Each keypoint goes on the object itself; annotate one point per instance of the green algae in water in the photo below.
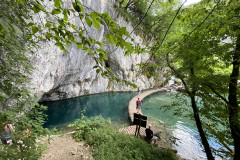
(109, 105)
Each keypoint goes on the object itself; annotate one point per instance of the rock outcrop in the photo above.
(59, 76)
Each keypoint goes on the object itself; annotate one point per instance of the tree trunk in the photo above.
(233, 108)
(200, 129)
(195, 109)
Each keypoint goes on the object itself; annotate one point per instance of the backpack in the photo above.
(138, 103)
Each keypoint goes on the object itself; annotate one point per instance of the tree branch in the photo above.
(167, 29)
(214, 91)
(177, 74)
(136, 25)
(181, 44)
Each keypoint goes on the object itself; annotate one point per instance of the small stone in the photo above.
(73, 153)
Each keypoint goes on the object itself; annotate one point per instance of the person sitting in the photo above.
(149, 134)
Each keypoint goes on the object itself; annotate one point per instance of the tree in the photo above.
(187, 74)
(184, 61)
(20, 32)
(154, 16)
(204, 54)
(232, 50)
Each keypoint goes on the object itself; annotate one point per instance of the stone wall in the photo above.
(59, 76)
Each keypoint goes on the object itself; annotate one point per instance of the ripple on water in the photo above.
(187, 145)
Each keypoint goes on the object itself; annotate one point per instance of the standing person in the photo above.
(139, 90)
(138, 105)
(149, 134)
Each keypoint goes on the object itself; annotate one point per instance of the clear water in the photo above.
(115, 106)
(183, 128)
(109, 105)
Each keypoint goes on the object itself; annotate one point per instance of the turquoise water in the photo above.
(115, 106)
(182, 127)
(109, 105)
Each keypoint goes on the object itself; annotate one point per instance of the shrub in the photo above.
(27, 129)
(110, 144)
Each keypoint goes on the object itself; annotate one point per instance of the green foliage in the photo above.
(152, 29)
(18, 105)
(137, 8)
(155, 23)
(27, 128)
(20, 31)
(109, 144)
(84, 125)
(12, 60)
(150, 69)
(200, 53)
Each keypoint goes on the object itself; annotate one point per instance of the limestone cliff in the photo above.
(59, 76)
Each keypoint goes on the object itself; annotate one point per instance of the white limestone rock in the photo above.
(59, 76)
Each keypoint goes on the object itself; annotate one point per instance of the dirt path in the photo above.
(64, 147)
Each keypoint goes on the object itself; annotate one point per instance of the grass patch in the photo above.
(110, 144)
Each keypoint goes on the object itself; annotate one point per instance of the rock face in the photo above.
(60, 76)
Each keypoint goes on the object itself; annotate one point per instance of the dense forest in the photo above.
(198, 43)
